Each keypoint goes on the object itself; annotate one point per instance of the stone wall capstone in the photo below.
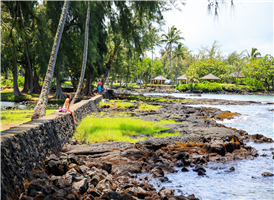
(25, 147)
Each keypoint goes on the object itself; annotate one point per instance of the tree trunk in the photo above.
(27, 79)
(88, 89)
(151, 68)
(84, 62)
(177, 71)
(40, 109)
(108, 65)
(266, 82)
(141, 75)
(58, 93)
(31, 76)
(137, 69)
(108, 78)
(16, 92)
(170, 64)
(37, 87)
(6, 75)
(111, 83)
(146, 81)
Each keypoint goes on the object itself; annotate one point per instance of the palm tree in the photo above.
(84, 61)
(193, 77)
(40, 109)
(238, 65)
(173, 36)
(155, 41)
(179, 54)
(254, 53)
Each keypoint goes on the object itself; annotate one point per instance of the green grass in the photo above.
(7, 95)
(147, 107)
(11, 118)
(108, 129)
(66, 83)
(239, 87)
(117, 104)
(134, 98)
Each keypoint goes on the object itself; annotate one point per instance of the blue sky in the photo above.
(245, 25)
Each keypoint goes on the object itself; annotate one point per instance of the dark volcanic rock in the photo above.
(81, 186)
(267, 174)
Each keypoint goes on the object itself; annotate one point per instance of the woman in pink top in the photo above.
(66, 108)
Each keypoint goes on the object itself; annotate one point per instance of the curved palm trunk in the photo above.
(170, 65)
(84, 62)
(40, 109)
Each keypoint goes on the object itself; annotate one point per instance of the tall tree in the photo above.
(178, 53)
(254, 53)
(84, 60)
(40, 109)
(155, 41)
(173, 36)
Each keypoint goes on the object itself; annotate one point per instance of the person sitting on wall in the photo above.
(66, 107)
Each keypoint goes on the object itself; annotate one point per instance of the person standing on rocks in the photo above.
(66, 108)
(99, 87)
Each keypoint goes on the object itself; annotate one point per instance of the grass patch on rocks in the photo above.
(116, 104)
(147, 107)
(114, 129)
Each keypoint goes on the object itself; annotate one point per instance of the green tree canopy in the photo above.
(204, 67)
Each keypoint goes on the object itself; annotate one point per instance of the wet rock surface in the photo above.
(109, 170)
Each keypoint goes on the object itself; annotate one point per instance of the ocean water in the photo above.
(259, 98)
(246, 182)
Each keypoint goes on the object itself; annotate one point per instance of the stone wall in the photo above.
(25, 147)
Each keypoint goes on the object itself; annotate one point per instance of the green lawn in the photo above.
(110, 129)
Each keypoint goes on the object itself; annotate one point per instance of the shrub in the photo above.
(211, 87)
(183, 87)
(21, 81)
(7, 82)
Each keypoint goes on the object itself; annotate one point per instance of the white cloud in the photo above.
(248, 24)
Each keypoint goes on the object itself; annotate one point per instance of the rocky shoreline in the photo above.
(110, 170)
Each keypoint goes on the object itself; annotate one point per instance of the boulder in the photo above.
(81, 186)
(157, 172)
(198, 168)
(267, 174)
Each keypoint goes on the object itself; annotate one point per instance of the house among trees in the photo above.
(158, 79)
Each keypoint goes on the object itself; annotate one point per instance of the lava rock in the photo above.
(184, 169)
(267, 174)
(81, 186)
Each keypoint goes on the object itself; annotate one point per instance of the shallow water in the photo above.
(6, 103)
(260, 98)
(246, 182)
